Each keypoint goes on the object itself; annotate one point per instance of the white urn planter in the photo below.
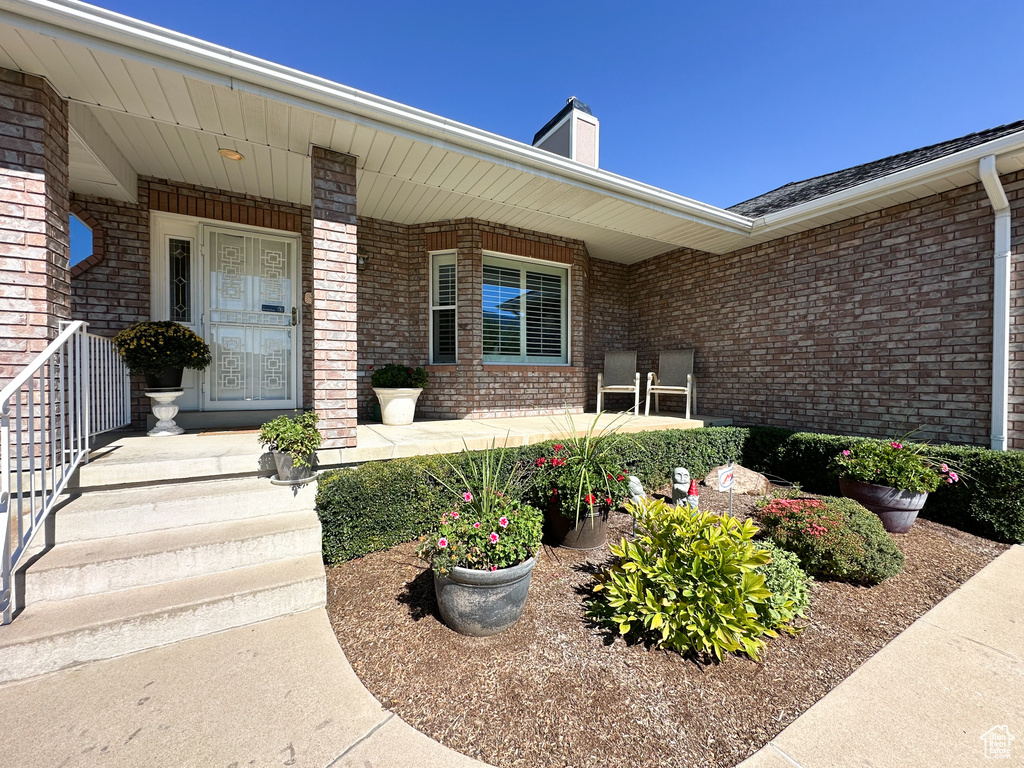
(165, 409)
(397, 406)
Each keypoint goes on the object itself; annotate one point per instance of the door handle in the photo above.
(295, 315)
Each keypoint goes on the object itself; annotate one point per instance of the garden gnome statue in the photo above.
(680, 486)
(636, 490)
(691, 495)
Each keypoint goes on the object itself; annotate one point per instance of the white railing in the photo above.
(76, 388)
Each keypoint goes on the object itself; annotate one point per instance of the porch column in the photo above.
(334, 296)
(34, 228)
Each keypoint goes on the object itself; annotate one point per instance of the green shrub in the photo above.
(788, 584)
(296, 435)
(834, 538)
(988, 500)
(395, 376)
(688, 582)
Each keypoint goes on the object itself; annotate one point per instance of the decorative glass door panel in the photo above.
(251, 320)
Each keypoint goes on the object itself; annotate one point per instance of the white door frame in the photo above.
(163, 227)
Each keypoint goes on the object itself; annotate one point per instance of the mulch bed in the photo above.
(556, 691)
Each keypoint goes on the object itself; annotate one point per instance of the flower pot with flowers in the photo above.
(579, 484)
(398, 387)
(160, 350)
(891, 478)
(483, 552)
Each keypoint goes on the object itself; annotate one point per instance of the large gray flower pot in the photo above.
(483, 603)
(897, 509)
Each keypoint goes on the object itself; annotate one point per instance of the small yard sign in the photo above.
(726, 477)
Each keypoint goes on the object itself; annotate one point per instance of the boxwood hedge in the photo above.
(379, 504)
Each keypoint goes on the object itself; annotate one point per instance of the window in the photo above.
(180, 253)
(442, 308)
(524, 312)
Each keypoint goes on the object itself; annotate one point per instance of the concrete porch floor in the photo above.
(137, 458)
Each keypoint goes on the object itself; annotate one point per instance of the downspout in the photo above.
(1000, 301)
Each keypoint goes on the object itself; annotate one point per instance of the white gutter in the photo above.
(1000, 301)
(125, 36)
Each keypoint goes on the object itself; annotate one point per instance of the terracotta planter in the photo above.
(169, 378)
(590, 532)
(483, 603)
(897, 509)
(397, 406)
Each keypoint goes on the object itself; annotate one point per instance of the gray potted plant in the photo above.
(292, 440)
(398, 387)
(891, 478)
(483, 551)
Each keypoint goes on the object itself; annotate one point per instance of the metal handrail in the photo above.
(75, 389)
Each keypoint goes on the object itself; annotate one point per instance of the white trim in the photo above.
(551, 266)
(431, 256)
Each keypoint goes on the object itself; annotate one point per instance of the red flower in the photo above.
(609, 477)
(556, 448)
(558, 462)
(590, 499)
(608, 500)
(541, 461)
(621, 478)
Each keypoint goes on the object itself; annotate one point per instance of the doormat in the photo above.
(231, 431)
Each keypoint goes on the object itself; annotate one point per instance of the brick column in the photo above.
(334, 296)
(34, 283)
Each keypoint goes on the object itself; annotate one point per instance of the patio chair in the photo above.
(620, 375)
(674, 377)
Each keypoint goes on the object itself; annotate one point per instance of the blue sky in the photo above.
(717, 101)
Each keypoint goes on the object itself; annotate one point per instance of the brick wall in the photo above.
(111, 288)
(859, 327)
(334, 296)
(611, 327)
(394, 310)
(33, 218)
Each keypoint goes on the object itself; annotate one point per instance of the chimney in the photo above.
(572, 133)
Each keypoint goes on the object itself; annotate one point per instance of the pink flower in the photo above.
(455, 515)
(503, 522)
(467, 496)
(945, 468)
(476, 525)
(846, 453)
(954, 476)
(897, 446)
(494, 538)
(494, 567)
(442, 542)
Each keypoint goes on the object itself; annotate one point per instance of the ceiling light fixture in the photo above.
(230, 154)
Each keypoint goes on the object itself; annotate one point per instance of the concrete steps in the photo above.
(140, 558)
(49, 636)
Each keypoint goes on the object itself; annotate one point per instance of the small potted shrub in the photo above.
(293, 441)
(398, 387)
(160, 350)
(579, 484)
(891, 478)
(483, 551)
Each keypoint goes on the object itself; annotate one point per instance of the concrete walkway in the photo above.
(277, 693)
(930, 696)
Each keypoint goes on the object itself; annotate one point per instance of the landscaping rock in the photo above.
(747, 481)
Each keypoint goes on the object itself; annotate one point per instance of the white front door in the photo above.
(251, 319)
(239, 289)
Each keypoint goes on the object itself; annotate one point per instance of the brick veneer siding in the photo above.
(33, 218)
(394, 311)
(334, 296)
(867, 326)
(611, 327)
(111, 288)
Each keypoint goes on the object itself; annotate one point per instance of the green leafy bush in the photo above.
(150, 346)
(394, 376)
(988, 500)
(788, 584)
(296, 435)
(834, 538)
(689, 582)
